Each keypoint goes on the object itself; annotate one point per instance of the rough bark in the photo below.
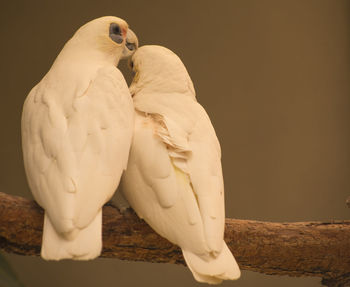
(296, 249)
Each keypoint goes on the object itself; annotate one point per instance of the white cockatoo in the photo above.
(174, 178)
(76, 133)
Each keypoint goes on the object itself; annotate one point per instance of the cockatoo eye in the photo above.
(115, 33)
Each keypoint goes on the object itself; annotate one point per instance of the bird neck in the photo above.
(176, 84)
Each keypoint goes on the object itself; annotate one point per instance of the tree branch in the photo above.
(296, 249)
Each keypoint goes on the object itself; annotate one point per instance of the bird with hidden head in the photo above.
(174, 177)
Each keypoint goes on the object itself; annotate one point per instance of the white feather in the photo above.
(76, 133)
(174, 178)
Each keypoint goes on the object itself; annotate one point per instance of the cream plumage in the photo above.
(76, 134)
(174, 177)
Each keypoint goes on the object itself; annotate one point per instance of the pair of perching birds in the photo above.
(82, 128)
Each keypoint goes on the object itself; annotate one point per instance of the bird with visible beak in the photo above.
(77, 125)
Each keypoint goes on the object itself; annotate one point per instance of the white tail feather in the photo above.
(85, 244)
(213, 270)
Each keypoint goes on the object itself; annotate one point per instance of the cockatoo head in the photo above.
(107, 38)
(158, 68)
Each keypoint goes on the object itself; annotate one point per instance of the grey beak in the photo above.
(131, 44)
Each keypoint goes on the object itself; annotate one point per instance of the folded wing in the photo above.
(74, 153)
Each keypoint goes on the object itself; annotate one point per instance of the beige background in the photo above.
(272, 75)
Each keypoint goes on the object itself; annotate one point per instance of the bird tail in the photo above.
(215, 269)
(81, 244)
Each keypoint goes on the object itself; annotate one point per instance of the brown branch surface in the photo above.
(295, 249)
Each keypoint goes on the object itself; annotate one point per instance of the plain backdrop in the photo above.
(274, 77)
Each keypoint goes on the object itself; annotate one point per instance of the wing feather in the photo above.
(75, 153)
(206, 176)
(154, 161)
(194, 149)
(159, 192)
